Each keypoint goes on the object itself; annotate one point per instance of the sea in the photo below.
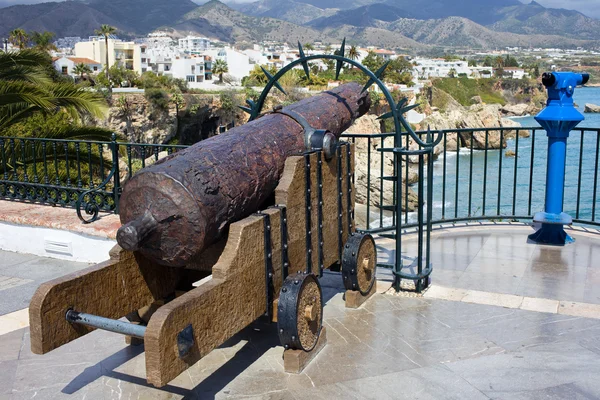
(515, 185)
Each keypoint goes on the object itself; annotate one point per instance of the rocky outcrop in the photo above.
(515, 110)
(133, 119)
(369, 124)
(475, 116)
(591, 108)
(137, 121)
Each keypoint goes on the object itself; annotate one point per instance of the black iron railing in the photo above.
(479, 180)
(474, 181)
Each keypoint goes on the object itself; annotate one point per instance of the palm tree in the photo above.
(106, 31)
(43, 41)
(81, 69)
(353, 54)
(220, 67)
(19, 38)
(308, 46)
(27, 90)
(33, 105)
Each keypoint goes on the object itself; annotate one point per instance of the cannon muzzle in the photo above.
(132, 235)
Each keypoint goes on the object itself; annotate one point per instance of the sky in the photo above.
(588, 7)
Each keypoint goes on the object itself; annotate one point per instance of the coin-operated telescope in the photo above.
(558, 119)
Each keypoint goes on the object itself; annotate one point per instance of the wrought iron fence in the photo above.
(479, 180)
(473, 181)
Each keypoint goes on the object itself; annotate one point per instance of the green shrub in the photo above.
(158, 99)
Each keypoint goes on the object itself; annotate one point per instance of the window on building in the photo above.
(166, 67)
(143, 49)
(65, 70)
(193, 69)
(191, 78)
(95, 68)
(143, 60)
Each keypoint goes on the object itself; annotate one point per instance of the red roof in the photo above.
(78, 60)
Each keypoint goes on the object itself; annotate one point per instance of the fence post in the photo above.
(117, 176)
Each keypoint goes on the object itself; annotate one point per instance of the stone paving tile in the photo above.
(489, 282)
(532, 369)
(493, 299)
(579, 309)
(540, 305)
(14, 321)
(30, 272)
(550, 287)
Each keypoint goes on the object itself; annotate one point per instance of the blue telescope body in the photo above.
(558, 119)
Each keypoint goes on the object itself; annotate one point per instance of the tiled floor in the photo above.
(499, 259)
(27, 272)
(391, 348)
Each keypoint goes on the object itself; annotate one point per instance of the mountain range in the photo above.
(386, 23)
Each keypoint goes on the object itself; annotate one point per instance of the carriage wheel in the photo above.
(300, 312)
(359, 263)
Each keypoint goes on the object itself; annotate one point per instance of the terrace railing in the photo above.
(469, 183)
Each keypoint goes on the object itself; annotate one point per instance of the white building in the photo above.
(426, 68)
(127, 54)
(514, 73)
(194, 70)
(238, 63)
(194, 44)
(66, 65)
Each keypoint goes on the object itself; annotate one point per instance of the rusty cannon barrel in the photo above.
(171, 211)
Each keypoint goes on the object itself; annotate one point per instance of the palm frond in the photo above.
(76, 100)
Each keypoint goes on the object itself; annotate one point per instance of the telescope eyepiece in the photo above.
(585, 78)
(548, 79)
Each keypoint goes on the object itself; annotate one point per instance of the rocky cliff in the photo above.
(137, 120)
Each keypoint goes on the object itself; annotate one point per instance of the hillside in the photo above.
(64, 19)
(461, 32)
(217, 20)
(367, 16)
(385, 23)
(287, 10)
(533, 18)
(144, 15)
(75, 18)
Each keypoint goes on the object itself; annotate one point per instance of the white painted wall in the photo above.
(54, 243)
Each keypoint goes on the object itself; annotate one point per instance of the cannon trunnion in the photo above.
(268, 265)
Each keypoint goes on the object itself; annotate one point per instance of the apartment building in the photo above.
(127, 54)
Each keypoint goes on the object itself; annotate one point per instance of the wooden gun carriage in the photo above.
(267, 265)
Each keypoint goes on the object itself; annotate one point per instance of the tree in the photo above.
(81, 69)
(472, 63)
(26, 89)
(106, 31)
(488, 61)
(399, 70)
(452, 73)
(353, 53)
(18, 38)
(372, 61)
(43, 41)
(510, 61)
(220, 67)
(499, 62)
(32, 104)
(308, 46)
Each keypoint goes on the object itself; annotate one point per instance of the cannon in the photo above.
(238, 227)
(174, 209)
